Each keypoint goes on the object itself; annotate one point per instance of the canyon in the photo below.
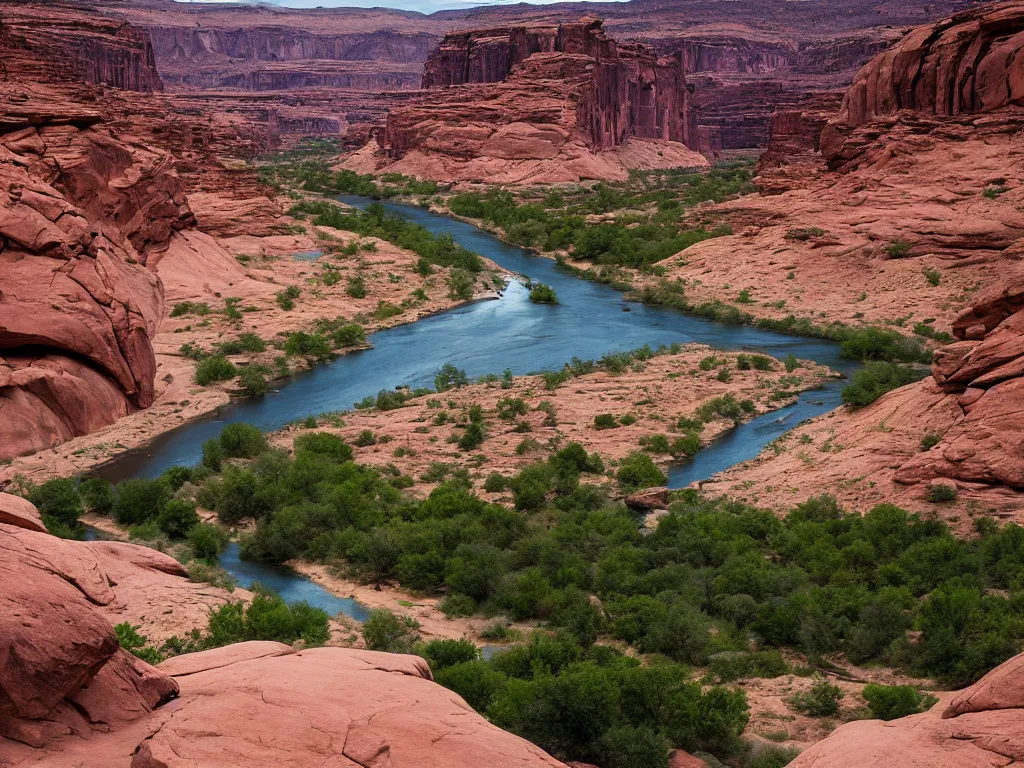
(140, 224)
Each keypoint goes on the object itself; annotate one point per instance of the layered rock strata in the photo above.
(581, 106)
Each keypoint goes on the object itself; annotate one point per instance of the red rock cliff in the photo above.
(80, 214)
(970, 63)
(621, 90)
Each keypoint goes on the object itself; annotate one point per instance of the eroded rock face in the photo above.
(545, 104)
(70, 696)
(966, 64)
(80, 213)
(980, 726)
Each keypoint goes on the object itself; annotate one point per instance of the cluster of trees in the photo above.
(715, 577)
(557, 221)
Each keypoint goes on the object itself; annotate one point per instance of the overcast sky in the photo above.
(423, 6)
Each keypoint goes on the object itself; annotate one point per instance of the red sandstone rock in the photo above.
(70, 696)
(20, 513)
(647, 499)
(679, 758)
(551, 104)
(980, 726)
(961, 65)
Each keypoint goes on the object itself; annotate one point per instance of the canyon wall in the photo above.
(560, 95)
(968, 64)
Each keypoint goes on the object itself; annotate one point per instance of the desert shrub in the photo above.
(726, 667)
(543, 294)
(129, 638)
(882, 344)
(323, 444)
(939, 493)
(267, 617)
(207, 540)
(365, 438)
(178, 518)
(58, 500)
(888, 702)
(605, 421)
(442, 654)
(386, 631)
(874, 380)
(511, 407)
(97, 495)
(638, 471)
(213, 369)
(449, 377)
(460, 285)
(139, 500)
(930, 440)
(311, 345)
(242, 441)
(253, 381)
(349, 335)
(821, 701)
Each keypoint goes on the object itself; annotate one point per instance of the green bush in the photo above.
(930, 440)
(253, 381)
(771, 756)
(58, 500)
(888, 702)
(386, 631)
(821, 701)
(267, 617)
(442, 654)
(543, 294)
(939, 493)
(449, 377)
(97, 495)
(882, 344)
(242, 441)
(129, 638)
(323, 444)
(178, 518)
(874, 380)
(140, 500)
(605, 421)
(213, 369)
(349, 335)
(207, 541)
(727, 667)
(638, 471)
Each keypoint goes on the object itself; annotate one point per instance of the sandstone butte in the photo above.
(532, 104)
(69, 695)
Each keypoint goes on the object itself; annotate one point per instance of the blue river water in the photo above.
(487, 337)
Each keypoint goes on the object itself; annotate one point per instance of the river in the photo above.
(488, 337)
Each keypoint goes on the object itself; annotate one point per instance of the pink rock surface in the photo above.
(69, 695)
(20, 513)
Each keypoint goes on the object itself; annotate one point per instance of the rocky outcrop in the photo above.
(588, 108)
(96, 49)
(70, 696)
(982, 725)
(986, 372)
(81, 212)
(626, 90)
(965, 65)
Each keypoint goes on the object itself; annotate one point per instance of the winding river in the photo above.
(488, 337)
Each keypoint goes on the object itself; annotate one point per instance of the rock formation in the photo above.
(967, 64)
(81, 213)
(69, 695)
(539, 104)
(978, 727)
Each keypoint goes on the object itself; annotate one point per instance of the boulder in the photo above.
(648, 499)
(20, 512)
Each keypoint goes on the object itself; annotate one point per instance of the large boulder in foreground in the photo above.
(979, 727)
(69, 695)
